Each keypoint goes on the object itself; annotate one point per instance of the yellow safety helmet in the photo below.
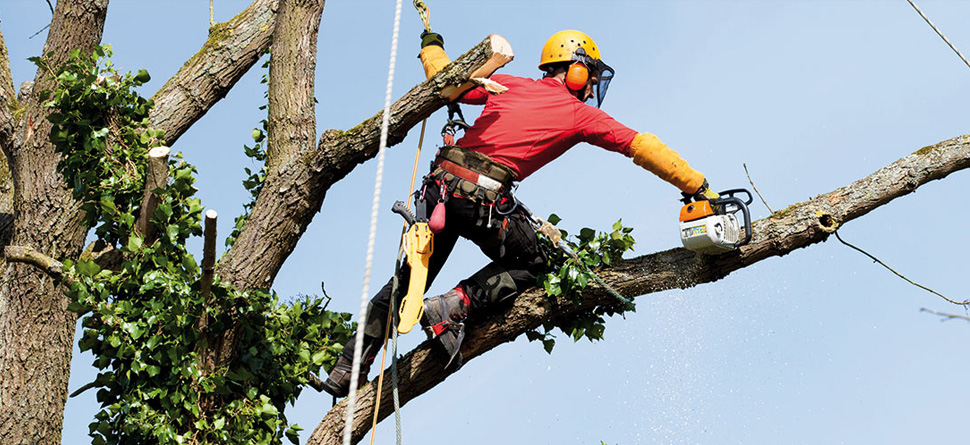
(561, 46)
(578, 48)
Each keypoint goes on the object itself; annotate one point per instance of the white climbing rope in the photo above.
(365, 294)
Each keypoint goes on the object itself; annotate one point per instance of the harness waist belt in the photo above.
(470, 175)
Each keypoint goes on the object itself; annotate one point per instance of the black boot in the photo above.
(444, 319)
(338, 382)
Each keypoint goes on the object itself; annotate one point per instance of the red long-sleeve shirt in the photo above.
(535, 122)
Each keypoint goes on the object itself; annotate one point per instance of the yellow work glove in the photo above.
(432, 54)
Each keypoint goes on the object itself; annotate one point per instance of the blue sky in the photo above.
(820, 346)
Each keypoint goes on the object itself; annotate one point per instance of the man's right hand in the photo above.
(702, 193)
(706, 193)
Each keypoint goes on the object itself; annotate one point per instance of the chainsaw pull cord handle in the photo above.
(743, 207)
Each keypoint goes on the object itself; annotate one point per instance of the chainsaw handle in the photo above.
(733, 192)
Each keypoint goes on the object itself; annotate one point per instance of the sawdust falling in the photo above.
(682, 341)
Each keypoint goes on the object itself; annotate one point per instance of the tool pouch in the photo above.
(464, 184)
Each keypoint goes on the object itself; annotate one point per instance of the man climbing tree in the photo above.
(41, 219)
(468, 192)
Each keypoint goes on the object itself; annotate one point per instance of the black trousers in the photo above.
(509, 241)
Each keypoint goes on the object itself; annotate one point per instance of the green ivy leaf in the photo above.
(87, 268)
(142, 76)
(319, 357)
(548, 344)
(135, 243)
(293, 434)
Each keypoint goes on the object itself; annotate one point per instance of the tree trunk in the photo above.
(799, 226)
(37, 211)
(36, 330)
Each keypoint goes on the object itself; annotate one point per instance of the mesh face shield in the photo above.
(601, 71)
(604, 77)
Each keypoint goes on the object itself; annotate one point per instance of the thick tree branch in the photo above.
(294, 191)
(291, 123)
(232, 49)
(8, 103)
(799, 226)
(27, 255)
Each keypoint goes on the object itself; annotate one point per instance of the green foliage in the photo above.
(568, 276)
(98, 117)
(150, 328)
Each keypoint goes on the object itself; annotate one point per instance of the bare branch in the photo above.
(294, 191)
(945, 317)
(83, 388)
(156, 178)
(756, 189)
(232, 49)
(214, 345)
(799, 226)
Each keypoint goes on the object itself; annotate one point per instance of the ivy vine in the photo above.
(143, 318)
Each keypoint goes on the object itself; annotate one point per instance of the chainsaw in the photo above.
(712, 227)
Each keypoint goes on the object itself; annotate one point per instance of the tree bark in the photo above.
(36, 330)
(801, 225)
(8, 102)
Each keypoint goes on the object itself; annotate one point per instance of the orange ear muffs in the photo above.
(577, 76)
